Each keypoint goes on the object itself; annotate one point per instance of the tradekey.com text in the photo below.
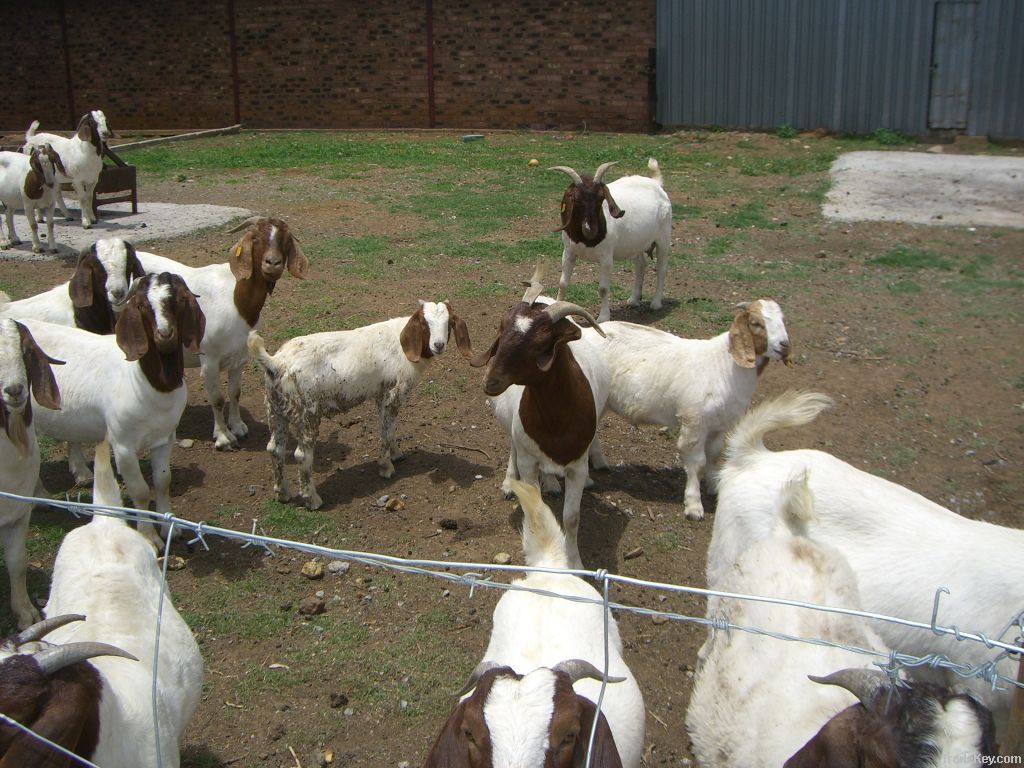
(977, 759)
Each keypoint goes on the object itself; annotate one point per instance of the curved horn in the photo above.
(248, 222)
(559, 309)
(577, 669)
(536, 285)
(481, 669)
(862, 683)
(53, 659)
(41, 628)
(568, 171)
(601, 169)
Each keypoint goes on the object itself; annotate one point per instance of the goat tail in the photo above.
(105, 490)
(655, 169)
(796, 504)
(32, 130)
(790, 409)
(543, 539)
(259, 351)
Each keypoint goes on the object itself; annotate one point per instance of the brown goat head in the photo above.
(582, 213)
(267, 248)
(18, 389)
(419, 343)
(101, 281)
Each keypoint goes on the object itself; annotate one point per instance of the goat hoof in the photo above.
(225, 444)
(694, 514)
(313, 502)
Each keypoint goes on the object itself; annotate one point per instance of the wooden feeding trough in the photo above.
(116, 184)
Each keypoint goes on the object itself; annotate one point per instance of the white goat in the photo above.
(552, 415)
(108, 572)
(81, 156)
(757, 700)
(93, 296)
(232, 296)
(699, 386)
(322, 374)
(29, 182)
(129, 387)
(533, 695)
(24, 374)
(595, 228)
(901, 546)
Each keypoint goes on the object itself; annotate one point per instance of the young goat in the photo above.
(752, 702)
(24, 374)
(699, 386)
(108, 572)
(129, 387)
(596, 228)
(532, 699)
(81, 159)
(901, 546)
(552, 416)
(29, 182)
(322, 374)
(93, 296)
(232, 296)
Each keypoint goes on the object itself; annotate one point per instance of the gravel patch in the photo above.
(153, 221)
(925, 188)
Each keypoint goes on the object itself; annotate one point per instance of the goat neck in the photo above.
(250, 295)
(557, 410)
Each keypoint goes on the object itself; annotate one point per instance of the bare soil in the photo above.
(928, 389)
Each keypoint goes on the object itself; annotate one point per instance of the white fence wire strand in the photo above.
(472, 575)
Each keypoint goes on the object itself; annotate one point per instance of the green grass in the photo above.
(906, 257)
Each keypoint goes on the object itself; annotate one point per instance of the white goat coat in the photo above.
(102, 393)
(19, 475)
(902, 547)
(52, 306)
(752, 703)
(109, 573)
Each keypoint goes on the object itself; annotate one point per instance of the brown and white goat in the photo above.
(315, 376)
(24, 374)
(54, 691)
(595, 228)
(81, 158)
(129, 387)
(29, 182)
(232, 296)
(548, 389)
(93, 296)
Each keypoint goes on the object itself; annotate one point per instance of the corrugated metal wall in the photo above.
(843, 65)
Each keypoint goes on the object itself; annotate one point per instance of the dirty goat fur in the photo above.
(315, 376)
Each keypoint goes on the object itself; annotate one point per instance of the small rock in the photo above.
(533, 163)
(320, 594)
(393, 505)
(659, 619)
(175, 563)
(312, 606)
(338, 566)
(382, 500)
(186, 443)
(338, 700)
(478, 477)
(252, 490)
(405, 763)
(313, 570)
(502, 558)
(349, 712)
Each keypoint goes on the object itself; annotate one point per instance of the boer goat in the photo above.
(231, 296)
(29, 182)
(322, 374)
(595, 228)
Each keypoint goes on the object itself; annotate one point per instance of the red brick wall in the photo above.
(330, 63)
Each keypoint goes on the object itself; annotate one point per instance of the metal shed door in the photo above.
(952, 51)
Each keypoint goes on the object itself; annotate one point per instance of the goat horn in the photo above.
(568, 171)
(42, 628)
(601, 169)
(577, 669)
(481, 669)
(862, 683)
(53, 659)
(536, 284)
(248, 222)
(559, 309)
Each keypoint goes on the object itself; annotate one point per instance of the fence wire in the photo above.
(472, 575)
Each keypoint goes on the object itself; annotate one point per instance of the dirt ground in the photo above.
(928, 388)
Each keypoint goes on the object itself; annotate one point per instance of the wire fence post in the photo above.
(1015, 733)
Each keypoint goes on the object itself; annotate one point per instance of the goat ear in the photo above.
(80, 285)
(613, 207)
(135, 268)
(480, 359)
(131, 333)
(741, 341)
(37, 365)
(55, 159)
(604, 754)
(457, 324)
(191, 320)
(62, 726)
(450, 749)
(241, 257)
(295, 259)
(412, 336)
(843, 742)
(567, 206)
(563, 332)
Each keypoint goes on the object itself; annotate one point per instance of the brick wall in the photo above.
(330, 63)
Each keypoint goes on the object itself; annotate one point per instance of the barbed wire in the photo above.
(472, 576)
